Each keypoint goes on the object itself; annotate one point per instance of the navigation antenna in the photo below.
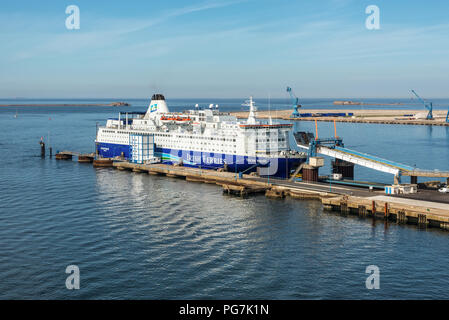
(252, 110)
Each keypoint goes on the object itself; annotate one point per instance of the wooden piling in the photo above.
(386, 211)
(42, 143)
(422, 219)
(344, 209)
(362, 211)
(401, 217)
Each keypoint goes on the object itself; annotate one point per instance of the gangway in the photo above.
(362, 159)
(338, 151)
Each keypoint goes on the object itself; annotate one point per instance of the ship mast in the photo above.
(252, 111)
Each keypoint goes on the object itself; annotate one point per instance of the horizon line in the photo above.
(149, 98)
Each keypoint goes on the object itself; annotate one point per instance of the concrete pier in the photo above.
(398, 210)
(343, 199)
(103, 163)
(63, 156)
(85, 158)
(346, 200)
(374, 116)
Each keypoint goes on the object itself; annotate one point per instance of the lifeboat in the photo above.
(176, 119)
(166, 119)
(182, 120)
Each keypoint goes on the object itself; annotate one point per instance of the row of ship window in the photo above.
(268, 140)
(192, 137)
(115, 132)
(202, 143)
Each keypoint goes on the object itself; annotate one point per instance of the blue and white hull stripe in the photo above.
(207, 160)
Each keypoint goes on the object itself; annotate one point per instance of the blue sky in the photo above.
(224, 48)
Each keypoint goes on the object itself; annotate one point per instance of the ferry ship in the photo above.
(203, 138)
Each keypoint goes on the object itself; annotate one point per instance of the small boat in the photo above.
(16, 115)
(182, 120)
(175, 119)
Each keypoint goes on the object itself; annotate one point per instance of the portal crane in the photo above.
(426, 105)
(295, 103)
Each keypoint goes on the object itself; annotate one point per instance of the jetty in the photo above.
(373, 116)
(68, 155)
(359, 103)
(341, 199)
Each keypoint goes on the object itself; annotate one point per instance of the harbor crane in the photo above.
(428, 106)
(295, 103)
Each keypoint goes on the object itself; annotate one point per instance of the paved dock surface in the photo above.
(426, 195)
(412, 202)
(325, 187)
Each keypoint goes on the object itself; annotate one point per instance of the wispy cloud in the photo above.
(163, 17)
(338, 40)
(69, 42)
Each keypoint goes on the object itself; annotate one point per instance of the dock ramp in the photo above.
(306, 141)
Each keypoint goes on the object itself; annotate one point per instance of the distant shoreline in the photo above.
(112, 104)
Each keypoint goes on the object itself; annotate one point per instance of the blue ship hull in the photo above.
(281, 167)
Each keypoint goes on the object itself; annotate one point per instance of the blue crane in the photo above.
(426, 105)
(295, 103)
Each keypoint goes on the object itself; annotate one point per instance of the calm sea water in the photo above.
(144, 237)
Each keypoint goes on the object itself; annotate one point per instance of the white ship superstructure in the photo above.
(201, 138)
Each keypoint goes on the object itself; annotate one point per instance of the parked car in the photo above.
(444, 189)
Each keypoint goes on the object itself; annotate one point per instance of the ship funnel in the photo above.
(157, 105)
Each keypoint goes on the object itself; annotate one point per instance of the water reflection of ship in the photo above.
(17, 114)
